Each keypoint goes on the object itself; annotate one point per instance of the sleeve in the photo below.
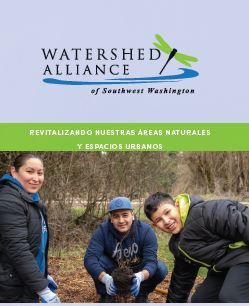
(182, 281)
(150, 252)
(14, 236)
(227, 219)
(94, 251)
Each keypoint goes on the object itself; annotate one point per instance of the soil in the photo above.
(76, 285)
(122, 278)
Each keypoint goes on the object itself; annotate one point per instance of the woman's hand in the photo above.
(47, 296)
(52, 285)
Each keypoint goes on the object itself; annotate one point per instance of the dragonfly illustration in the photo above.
(180, 57)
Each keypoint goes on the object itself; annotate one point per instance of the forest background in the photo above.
(78, 187)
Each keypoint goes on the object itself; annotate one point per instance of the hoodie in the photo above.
(139, 247)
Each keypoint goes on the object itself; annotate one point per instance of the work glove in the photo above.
(52, 285)
(47, 296)
(136, 282)
(109, 285)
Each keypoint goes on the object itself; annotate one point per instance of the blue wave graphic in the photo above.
(186, 74)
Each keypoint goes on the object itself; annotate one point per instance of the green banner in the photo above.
(124, 136)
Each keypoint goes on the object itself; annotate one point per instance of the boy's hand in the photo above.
(136, 282)
(109, 285)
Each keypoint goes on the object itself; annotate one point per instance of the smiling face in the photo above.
(30, 174)
(167, 218)
(122, 220)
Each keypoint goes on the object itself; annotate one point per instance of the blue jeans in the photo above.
(146, 287)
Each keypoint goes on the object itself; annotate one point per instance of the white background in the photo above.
(215, 31)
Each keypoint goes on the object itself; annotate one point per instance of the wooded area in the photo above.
(79, 185)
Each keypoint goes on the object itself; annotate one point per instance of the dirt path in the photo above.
(76, 286)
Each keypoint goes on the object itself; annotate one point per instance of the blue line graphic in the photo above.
(186, 74)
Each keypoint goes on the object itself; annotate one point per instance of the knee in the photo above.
(228, 297)
(161, 271)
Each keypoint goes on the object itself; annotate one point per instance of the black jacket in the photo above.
(20, 236)
(208, 239)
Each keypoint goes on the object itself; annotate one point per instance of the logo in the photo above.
(173, 53)
(88, 66)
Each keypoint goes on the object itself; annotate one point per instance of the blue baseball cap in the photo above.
(119, 203)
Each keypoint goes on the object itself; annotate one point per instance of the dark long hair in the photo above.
(21, 159)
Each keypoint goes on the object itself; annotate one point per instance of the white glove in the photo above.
(109, 285)
(136, 282)
(52, 285)
(48, 296)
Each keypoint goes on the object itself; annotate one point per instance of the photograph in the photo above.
(124, 159)
(124, 227)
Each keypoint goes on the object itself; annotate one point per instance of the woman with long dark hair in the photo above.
(24, 235)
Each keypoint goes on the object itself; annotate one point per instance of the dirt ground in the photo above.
(76, 286)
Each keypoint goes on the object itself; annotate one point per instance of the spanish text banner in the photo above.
(124, 136)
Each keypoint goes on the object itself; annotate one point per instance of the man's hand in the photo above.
(136, 282)
(109, 285)
(47, 296)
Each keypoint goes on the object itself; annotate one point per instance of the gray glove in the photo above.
(109, 285)
(47, 296)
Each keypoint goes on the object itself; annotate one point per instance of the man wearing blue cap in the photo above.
(120, 241)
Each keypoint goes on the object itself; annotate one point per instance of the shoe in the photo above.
(141, 298)
(105, 298)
